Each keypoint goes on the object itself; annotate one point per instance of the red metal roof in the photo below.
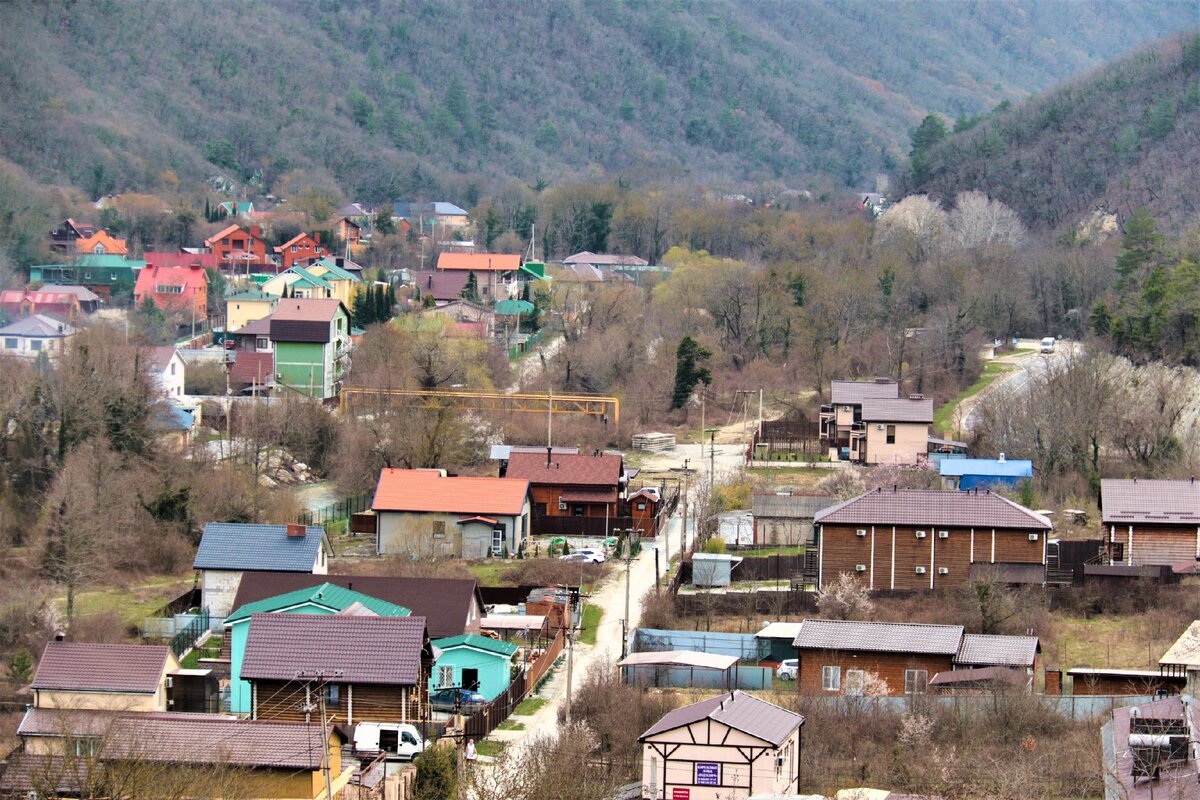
(566, 470)
(480, 262)
(429, 491)
(88, 667)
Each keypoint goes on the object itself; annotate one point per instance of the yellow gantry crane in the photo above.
(605, 409)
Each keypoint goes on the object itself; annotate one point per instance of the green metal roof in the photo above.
(312, 280)
(252, 294)
(327, 595)
(511, 308)
(97, 261)
(337, 272)
(478, 642)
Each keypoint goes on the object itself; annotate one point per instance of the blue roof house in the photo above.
(324, 599)
(980, 473)
(473, 662)
(227, 549)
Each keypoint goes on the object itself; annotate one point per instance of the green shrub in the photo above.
(437, 774)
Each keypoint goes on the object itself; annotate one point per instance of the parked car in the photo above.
(1047, 345)
(788, 669)
(395, 738)
(586, 554)
(456, 699)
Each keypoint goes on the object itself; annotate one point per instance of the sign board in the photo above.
(681, 793)
(708, 773)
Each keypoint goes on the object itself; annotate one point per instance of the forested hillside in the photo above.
(1126, 136)
(386, 99)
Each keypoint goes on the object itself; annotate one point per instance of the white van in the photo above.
(1047, 345)
(396, 738)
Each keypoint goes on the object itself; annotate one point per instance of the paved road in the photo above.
(1028, 367)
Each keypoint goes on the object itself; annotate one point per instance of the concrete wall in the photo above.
(218, 590)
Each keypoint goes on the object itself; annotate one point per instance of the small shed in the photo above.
(779, 638)
(713, 569)
(683, 669)
(980, 473)
(736, 527)
(195, 691)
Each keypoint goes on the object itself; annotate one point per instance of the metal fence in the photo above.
(1073, 707)
(739, 676)
(524, 347)
(342, 509)
(182, 641)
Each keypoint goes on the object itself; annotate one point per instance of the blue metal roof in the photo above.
(267, 548)
(990, 467)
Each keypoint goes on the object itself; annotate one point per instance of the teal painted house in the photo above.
(101, 273)
(325, 599)
(312, 345)
(473, 662)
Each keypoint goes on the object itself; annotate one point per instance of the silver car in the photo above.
(788, 669)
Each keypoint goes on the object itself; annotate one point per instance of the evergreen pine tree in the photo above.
(687, 370)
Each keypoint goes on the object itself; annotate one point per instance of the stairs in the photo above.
(1056, 575)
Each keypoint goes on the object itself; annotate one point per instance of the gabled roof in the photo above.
(428, 491)
(299, 237)
(252, 295)
(445, 603)
(329, 596)
(248, 546)
(232, 229)
(38, 325)
(606, 259)
(375, 650)
(305, 309)
(1001, 651)
(1186, 649)
(1162, 502)
(988, 467)
(476, 642)
(581, 469)
(162, 356)
(738, 710)
(480, 262)
(791, 506)
(901, 409)
(333, 271)
(207, 739)
(879, 637)
(442, 285)
(957, 509)
(190, 278)
(111, 245)
(855, 392)
(255, 327)
(90, 667)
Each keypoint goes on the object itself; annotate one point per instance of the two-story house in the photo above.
(182, 290)
(570, 485)
(312, 345)
(930, 539)
(324, 278)
(34, 336)
(168, 371)
(1151, 522)
(245, 307)
(227, 549)
(301, 249)
(64, 302)
(64, 235)
(238, 249)
(101, 274)
(114, 677)
(843, 413)
(495, 273)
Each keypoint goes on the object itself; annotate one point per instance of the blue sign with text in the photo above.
(708, 774)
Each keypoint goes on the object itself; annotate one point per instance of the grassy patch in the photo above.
(1121, 642)
(489, 572)
(529, 706)
(490, 748)
(762, 552)
(591, 623)
(795, 476)
(210, 649)
(131, 603)
(509, 725)
(942, 417)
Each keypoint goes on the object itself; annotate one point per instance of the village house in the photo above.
(444, 287)
(892, 431)
(102, 244)
(112, 677)
(844, 657)
(301, 249)
(467, 316)
(64, 302)
(727, 747)
(167, 371)
(425, 513)
(173, 426)
(32, 336)
(1151, 522)
(348, 231)
(843, 413)
(377, 668)
(324, 278)
(245, 307)
(569, 485)
(227, 549)
(930, 539)
(786, 518)
(238, 249)
(64, 235)
(475, 662)
(495, 273)
(312, 345)
(108, 754)
(431, 218)
(181, 290)
(321, 599)
(101, 274)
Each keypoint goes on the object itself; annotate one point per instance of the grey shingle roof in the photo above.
(933, 507)
(1003, 651)
(796, 506)
(376, 650)
(88, 667)
(738, 710)
(904, 409)
(855, 392)
(879, 637)
(268, 548)
(37, 325)
(1163, 502)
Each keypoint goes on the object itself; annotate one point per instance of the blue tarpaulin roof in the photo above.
(990, 467)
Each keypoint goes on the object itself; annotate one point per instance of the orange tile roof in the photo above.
(428, 490)
(482, 262)
(112, 247)
(295, 239)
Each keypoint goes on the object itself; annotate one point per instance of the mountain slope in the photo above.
(1124, 137)
(385, 98)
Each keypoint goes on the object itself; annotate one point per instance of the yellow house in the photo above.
(320, 279)
(245, 307)
(110, 677)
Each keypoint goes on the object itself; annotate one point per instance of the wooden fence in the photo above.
(485, 720)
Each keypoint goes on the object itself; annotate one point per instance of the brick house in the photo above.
(835, 656)
(301, 249)
(238, 249)
(1151, 522)
(930, 539)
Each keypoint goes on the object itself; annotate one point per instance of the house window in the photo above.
(35, 344)
(333, 694)
(915, 681)
(854, 682)
(225, 241)
(891, 434)
(98, 249)
(293, 248)
(831, 678)
(172, 368)
(497, 541)
(261, 343)
(87, 746)
(641, 506)
(10, 343)
(165, 288)
(438, 526)
(445, 676)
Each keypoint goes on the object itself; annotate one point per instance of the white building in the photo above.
(35, 334)
(167, 370)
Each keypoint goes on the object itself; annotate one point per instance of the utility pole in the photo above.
(571, 641)
(683, 531)
(319, 677)
(629, 532)
(550, 416)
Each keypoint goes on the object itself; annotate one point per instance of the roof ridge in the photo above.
(881, 622)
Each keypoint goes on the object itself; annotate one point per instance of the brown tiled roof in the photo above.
(375, 650)
(306, 309)
(904, 409)
(855, 392)
(565, 470)
(1152, 502)
(87, 667)
(879, 637)
(738, 710)
(933, 507)
(589, 496)
(442, 285)
(257, 327)
(213, 739)
(429, 491)
(25, 772)
(445, 603)
(791, 506)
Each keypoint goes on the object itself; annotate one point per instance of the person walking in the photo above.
(471, 751)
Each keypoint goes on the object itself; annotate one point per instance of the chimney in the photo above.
(256, 231)
(295, 531)
(59, 636)
(549, 455)
(1001, 458)
(317, 238)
